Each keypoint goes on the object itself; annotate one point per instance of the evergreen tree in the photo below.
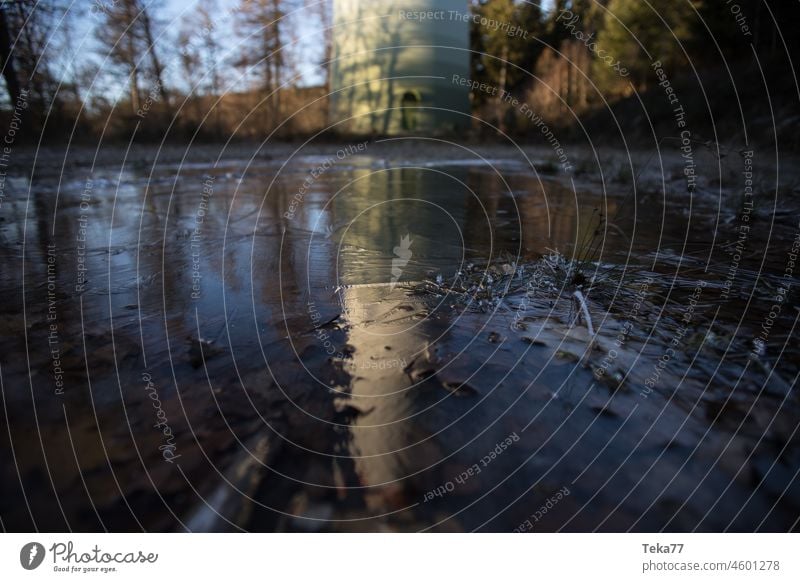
(634, 29)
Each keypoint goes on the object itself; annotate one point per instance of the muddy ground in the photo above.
(399, 336)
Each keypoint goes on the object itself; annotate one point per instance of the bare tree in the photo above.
(324, 11)
(200, 52)
(157, 68)
(261, 21)
(26, 28)
(127, 37)
(9, 66)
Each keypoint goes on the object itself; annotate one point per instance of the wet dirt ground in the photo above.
(383, 338)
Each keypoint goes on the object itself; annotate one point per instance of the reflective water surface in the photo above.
(264, 345)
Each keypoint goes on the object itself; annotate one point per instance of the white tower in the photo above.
(393, 66)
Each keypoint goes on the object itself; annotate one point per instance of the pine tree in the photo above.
(633, 29)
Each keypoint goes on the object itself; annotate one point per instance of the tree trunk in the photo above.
(158, 69)
(9, 71)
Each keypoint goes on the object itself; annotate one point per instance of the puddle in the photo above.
(327, 352)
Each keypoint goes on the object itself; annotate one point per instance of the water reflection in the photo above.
(302, 377)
